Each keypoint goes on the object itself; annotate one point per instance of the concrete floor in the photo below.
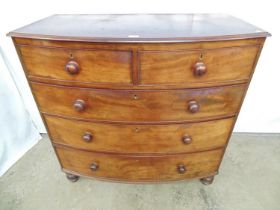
(249, 178)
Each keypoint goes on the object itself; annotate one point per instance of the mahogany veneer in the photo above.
(139, 138)
(139, 98)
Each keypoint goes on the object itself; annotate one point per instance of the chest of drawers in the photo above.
(139, 98)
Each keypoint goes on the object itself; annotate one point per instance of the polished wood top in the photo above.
(140, 28)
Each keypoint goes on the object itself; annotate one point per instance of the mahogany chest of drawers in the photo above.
(139, 98)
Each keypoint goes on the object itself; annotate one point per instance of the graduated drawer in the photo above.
(74, 65)
(132, 105)
(140, 168)
(197, 67)
(122, 138)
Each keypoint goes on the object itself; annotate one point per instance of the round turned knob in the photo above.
(187, 139)
(87, 137)
(79, 105)
(199, 69)
(193, 106)
(94, 166)
(181, 169)
(72, 67)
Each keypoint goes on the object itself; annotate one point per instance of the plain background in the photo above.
(260, 111)
(17, 132)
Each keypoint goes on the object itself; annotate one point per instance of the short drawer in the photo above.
(140, 168)
(197, 67)
(132, 105)
(123, 138)
(83, 66)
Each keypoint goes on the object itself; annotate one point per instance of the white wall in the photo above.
(17, 131)
(260, 112)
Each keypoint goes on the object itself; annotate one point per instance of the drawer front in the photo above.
(173, 138)
(140, 168)
(121, 105)
(193, 67)
(89, 66)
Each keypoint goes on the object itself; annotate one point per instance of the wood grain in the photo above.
(140, 28)
(153, 108)
(96, 66)
(122, 79)
(140, 46)
(139, 139)
(139, 168)
(172, 67)
(120, 105)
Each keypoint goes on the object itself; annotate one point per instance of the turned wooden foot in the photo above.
(207, 180)
(72, 177)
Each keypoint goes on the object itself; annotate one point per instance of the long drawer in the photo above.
(140, 168)
(132, 105)
(141, 139)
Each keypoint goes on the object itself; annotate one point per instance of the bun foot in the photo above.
(72, 177)
(207, 180)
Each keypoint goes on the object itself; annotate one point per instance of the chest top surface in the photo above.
(140, 28)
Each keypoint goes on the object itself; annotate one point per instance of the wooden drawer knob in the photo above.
(181, 169)
(187, 139)
(94, 166)
(199, 69)
(79, 105)
(87, 137)
(72, 67)
(193, 106)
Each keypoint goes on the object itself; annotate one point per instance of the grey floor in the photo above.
(249, 178)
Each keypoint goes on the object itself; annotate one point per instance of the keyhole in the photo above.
(135, 97)
(201, 56)
(71, 56)
(136, 130)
